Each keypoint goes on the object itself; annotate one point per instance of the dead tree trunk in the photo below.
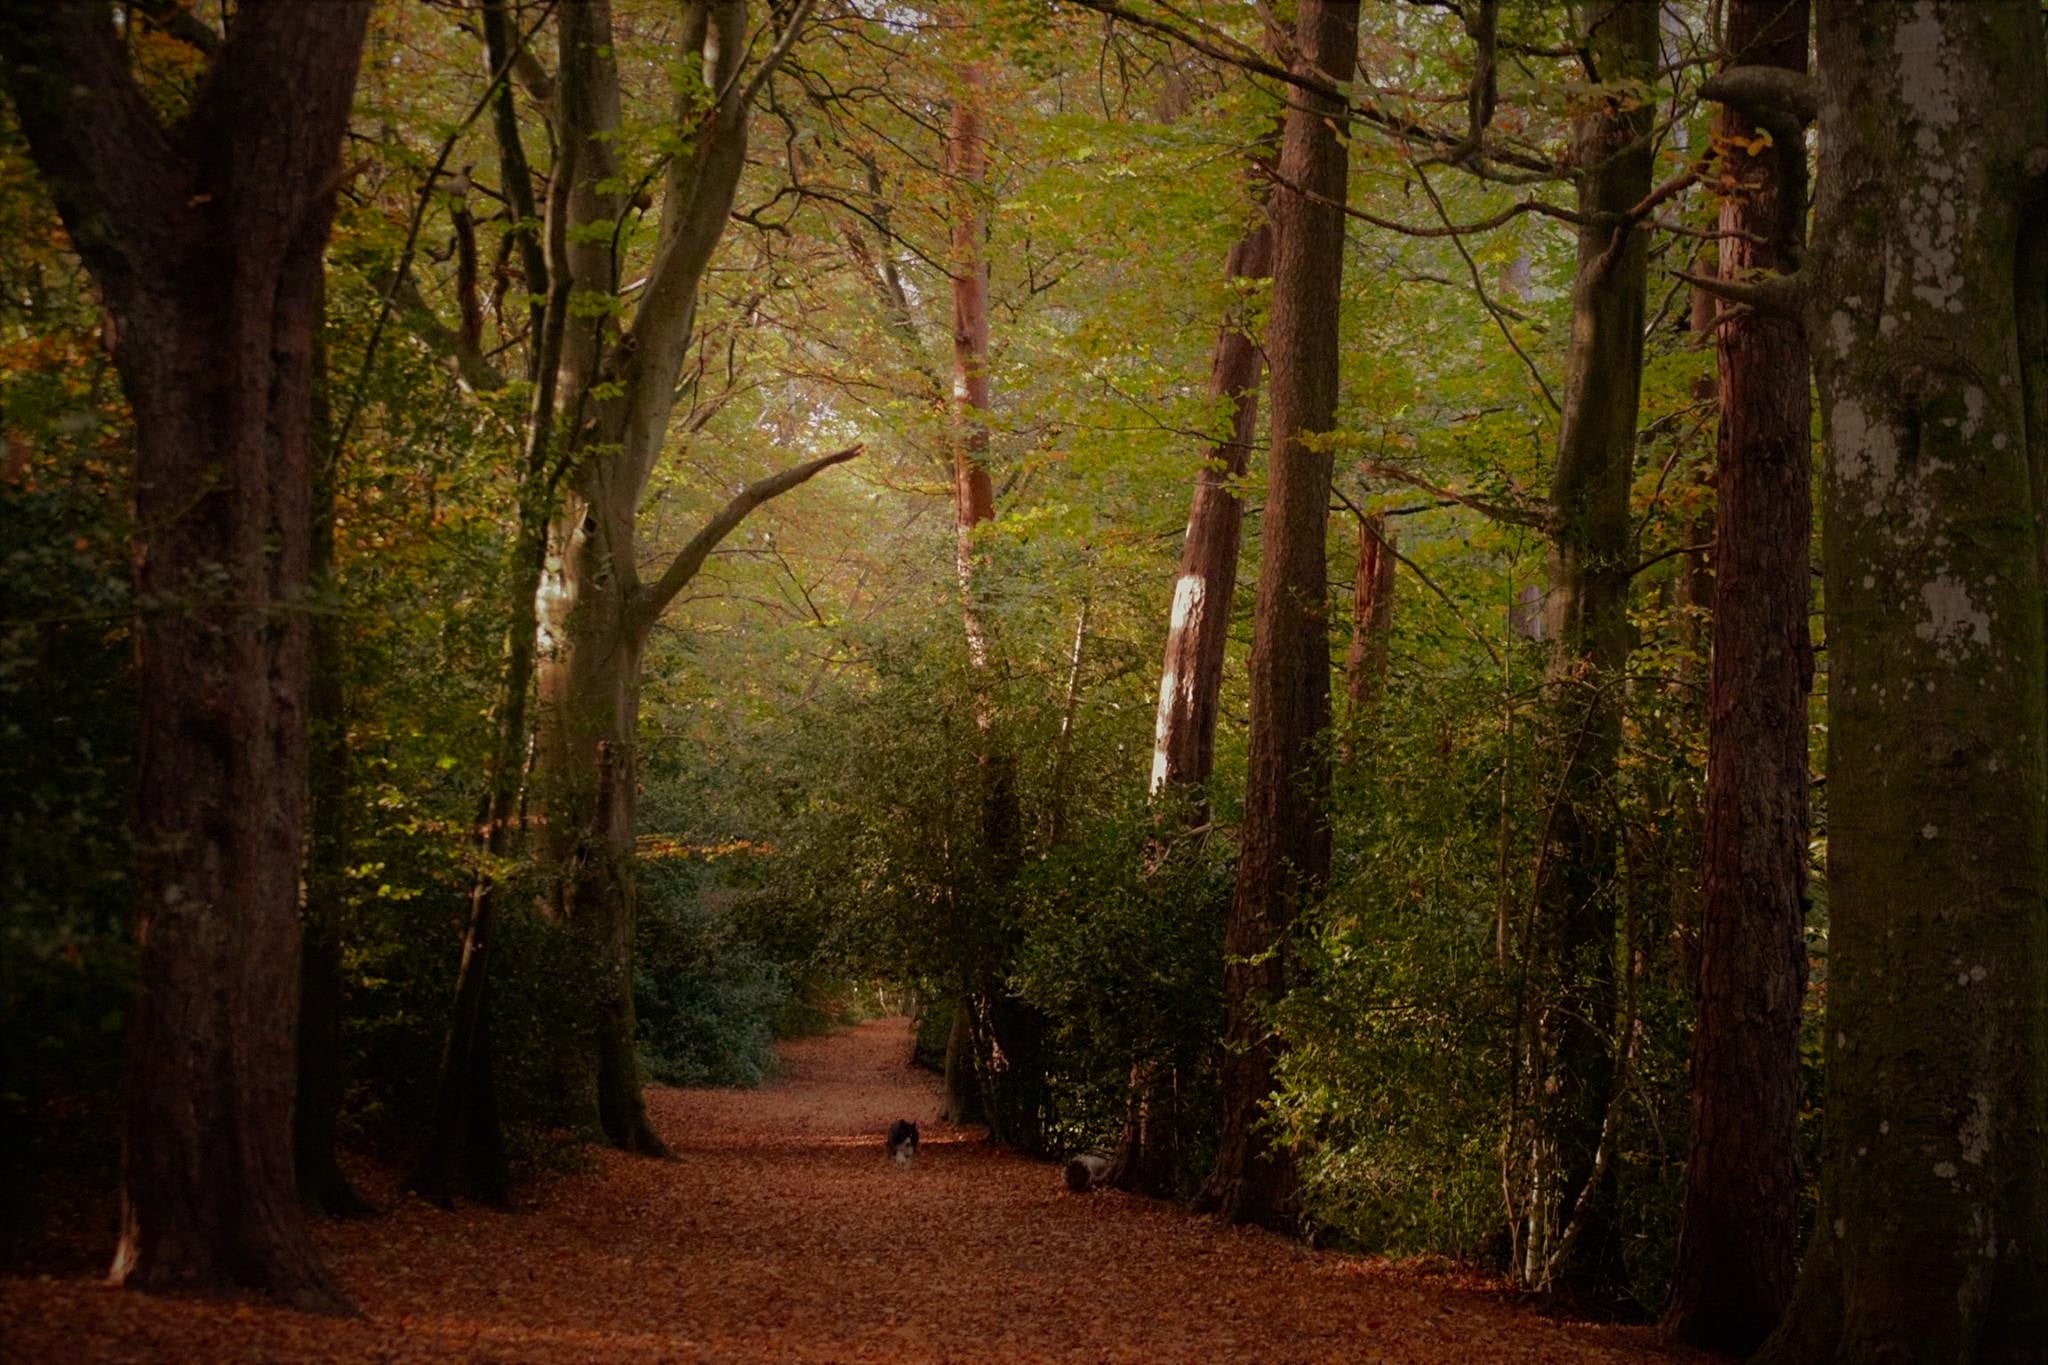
(1566, 1170)
(1285, 848)
(1739, 1231)
(207, 241)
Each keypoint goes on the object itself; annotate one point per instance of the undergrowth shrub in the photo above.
(709, 1000)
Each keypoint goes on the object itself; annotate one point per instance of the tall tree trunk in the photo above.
(207, 242)
(1569, 1013)
(1285, 854)
(1739, 1230)
(1927, 309)
(1191, 681)
(316, 1114)
(1008, 1034)
(616, 392)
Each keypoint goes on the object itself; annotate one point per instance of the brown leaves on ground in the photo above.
(783, 1233)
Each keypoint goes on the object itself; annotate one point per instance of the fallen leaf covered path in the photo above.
(783, 1233)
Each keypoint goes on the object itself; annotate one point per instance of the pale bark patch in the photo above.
(1953, 621)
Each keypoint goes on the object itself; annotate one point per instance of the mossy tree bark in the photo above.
(1926, 302)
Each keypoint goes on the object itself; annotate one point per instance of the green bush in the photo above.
(709, 1000)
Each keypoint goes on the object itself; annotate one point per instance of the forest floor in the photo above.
(783, 1233)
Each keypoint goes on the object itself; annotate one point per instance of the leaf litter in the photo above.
(782, 1232)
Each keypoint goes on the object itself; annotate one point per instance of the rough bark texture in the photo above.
(1569, 1011)
(1925, 308)
(207, 243)
(1285, 845)
(1739, 1230)
(1191, 680)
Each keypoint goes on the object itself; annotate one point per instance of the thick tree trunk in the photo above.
(1285, 845)
(590, 709)
(316, 1115)
(1739, 1231)
(1926, 309)
(208, 246)
(1566, 1181)
(1191, 681)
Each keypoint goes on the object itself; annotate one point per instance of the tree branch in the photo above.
(1765, 91)
(108, 163)
(1501, 512)
(655, 600)
(425, 324)
(1373, 115)
(1776, 296)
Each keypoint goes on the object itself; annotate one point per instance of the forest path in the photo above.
(783, 1233)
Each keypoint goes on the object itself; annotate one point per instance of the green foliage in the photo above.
(710, 1002)
(1122, 937)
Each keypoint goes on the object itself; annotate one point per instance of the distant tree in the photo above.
(206, 237)
(1372, 618)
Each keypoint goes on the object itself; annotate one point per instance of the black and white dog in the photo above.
(902, 1141)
